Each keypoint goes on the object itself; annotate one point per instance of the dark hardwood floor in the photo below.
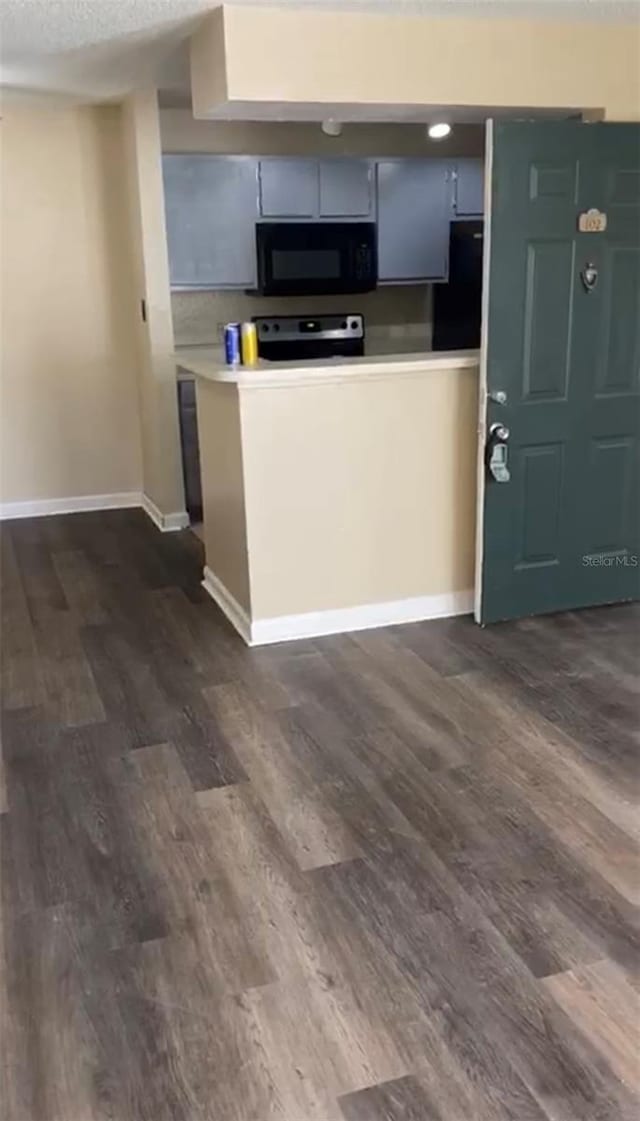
(390, 876)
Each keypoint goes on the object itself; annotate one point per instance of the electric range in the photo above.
(294, 337)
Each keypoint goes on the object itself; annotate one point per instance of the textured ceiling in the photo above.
(99, 49)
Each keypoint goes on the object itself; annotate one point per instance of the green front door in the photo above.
(561, 530)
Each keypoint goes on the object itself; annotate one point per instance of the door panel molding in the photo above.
(623, 187)
(539, 473)
(546, 361)
(618, 369)
(611, 461)
(552, 180)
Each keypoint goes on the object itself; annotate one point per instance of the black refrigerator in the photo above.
(457, 306)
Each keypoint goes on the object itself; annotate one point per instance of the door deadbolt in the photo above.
(497, 453)
(499, 432)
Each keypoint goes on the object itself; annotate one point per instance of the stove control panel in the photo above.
(294, 328)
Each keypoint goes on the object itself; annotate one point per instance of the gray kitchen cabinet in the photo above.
(468, 195)
(288, 188)
(413, 220)
(346, 188)
(211, 208)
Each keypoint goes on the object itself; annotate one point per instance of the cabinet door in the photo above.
(469, 188)
(413, 221)
(345, 188)
(211, 209)
(288, 188)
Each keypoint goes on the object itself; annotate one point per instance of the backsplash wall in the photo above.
(400, 313)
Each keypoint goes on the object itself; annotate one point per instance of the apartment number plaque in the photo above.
(592, 221)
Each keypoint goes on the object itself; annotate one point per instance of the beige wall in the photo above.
(198, 317)
(401, 312)
(182, 132)
(154, 338)
(360, 493)
(69, 419)
(208, 55)
(223, 489)
(355, 57)
(320, 497)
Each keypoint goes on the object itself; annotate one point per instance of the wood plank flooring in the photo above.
(388, 876)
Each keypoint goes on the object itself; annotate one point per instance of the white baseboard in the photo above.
(313, 624)
(168, 523)
(43, 507)
(228, 604)
(125, 500)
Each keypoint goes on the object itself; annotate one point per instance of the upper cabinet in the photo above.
(211, 209)
(312, 190)
(214, 202)
(413, 220)
(346, 188)
(468, 195)
(288, 188)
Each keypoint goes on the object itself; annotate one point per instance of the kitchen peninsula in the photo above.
(338, 494)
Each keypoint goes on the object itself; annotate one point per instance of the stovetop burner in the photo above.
(293, 337)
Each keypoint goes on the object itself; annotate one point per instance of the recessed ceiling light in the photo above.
(439, 130)
(331, 127)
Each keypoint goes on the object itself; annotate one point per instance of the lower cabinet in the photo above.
(413, 220)
(190, 449)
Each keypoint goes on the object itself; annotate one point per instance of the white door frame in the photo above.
(482, 386)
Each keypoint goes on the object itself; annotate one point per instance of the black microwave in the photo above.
(316, 258)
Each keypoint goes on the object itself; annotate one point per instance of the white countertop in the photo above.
(208, 363)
